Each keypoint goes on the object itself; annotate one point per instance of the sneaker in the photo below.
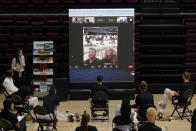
(160, 104)
(175, 101)
(160, 115)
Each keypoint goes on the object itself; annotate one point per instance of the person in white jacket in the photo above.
(9, 84)
(11, 88)
(18, 66)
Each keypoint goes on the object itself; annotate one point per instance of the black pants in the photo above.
(23, 126)
(18, 80)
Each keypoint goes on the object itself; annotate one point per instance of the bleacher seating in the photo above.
(158, 40)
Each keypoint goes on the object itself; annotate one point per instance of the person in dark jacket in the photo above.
(143, 99)
(20, 125)
(150, 124)
(51, 102)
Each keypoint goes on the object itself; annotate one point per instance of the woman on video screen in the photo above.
(110, 57)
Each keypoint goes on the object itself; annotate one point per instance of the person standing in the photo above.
(18, 65)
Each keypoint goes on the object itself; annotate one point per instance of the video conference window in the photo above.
(100, 46)
(101, 42)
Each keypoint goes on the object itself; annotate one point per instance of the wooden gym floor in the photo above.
(81, 106)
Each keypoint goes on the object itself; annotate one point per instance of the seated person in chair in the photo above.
(150, 124)
(97, 88)
(133, 115)
(25, 93)
(144, 98)
(170, 94)
(6, 114)
(193, 121)
(84, 124)
(124, 119)
(51, 102)
(8, 83)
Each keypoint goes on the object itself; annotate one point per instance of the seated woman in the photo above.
(169, 94)
(110, 57)
(193, 121)
(124, 120)
(20, 125)
(133, 114)
(84, 124)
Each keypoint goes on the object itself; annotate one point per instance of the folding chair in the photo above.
(119, 122)
(41, 111)
(21, 106)
(100, 103)
(142, 112)
(116, 129)
(187, 95)
(5, 91)
(6, 125)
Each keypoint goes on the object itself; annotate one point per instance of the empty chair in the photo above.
(52, 19)
(36, 32)
(132, 1)
(10, 52)
(100, 1)
(37, 1)
(6, 20)
(18, 42)
(65, 19)
(21, 20)
(22, 1)
(4, 42)
(69, 1)
(85, 1)
(189, 21)
(37, 20)
(30, 42)
(116, 1)
(6, 1)
(5, 32)
(52, 32)
(188, 1)
(6, 125)
(20, 32)
(54, 1)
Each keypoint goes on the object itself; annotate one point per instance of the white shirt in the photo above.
(9, 86)
(20, 65)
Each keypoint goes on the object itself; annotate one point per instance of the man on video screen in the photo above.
(92, 61)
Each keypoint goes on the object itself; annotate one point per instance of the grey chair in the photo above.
(100, 103)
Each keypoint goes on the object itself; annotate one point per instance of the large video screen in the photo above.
(101, 42)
